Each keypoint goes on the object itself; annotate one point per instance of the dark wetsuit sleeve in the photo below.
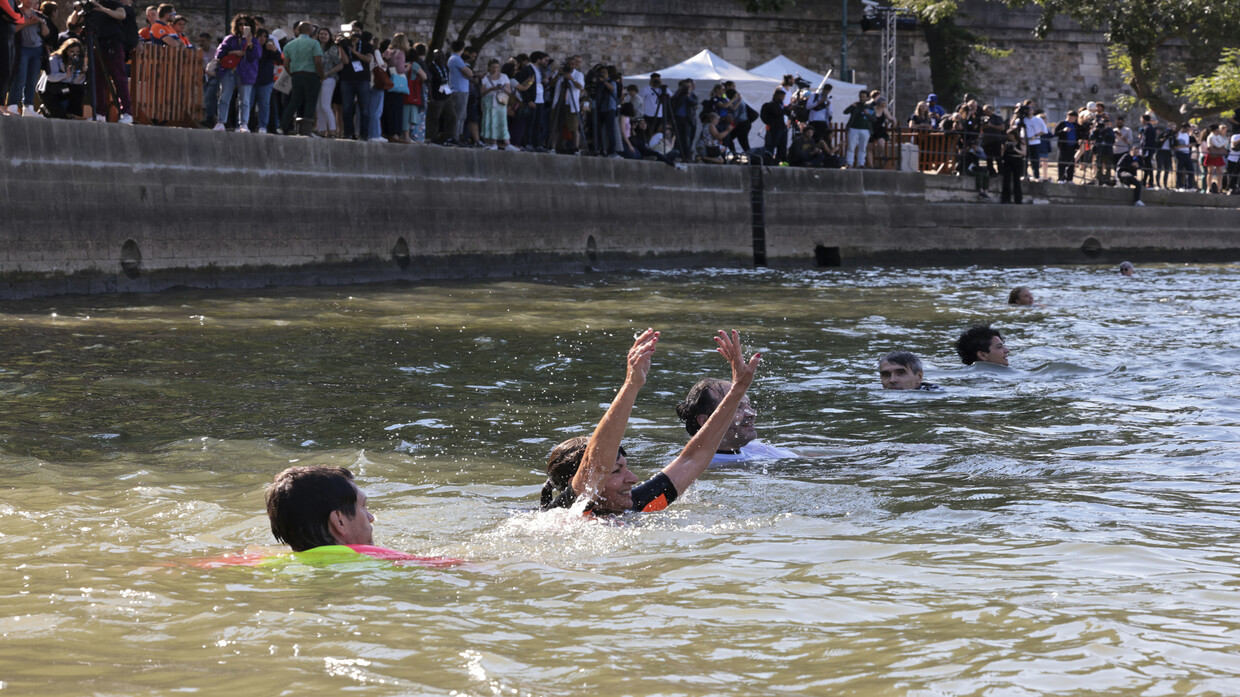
(566, 499)
(654, 495)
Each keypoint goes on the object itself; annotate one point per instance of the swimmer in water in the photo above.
(981, 344)
(1020, 295)
(596, 468)
(901, 370)
(318, 506)
(1127, 269)
(740, 443)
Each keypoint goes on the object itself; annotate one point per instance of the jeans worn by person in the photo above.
(262, 104)
(354, 98)
(25, 76)
(228, 85)
(854, 153)
(211, 98)
(374, 117)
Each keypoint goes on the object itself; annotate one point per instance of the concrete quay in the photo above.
(106, 208)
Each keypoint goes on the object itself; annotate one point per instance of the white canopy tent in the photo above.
(842, 93)
(707, 70)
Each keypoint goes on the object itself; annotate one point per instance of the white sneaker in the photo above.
(101, 118)
(29, 110)
(1139, 203)
(243, 129)
(492, 147)
(126, 118)
(218, 127)
(378, 140)
(262, 130)
(512, 148)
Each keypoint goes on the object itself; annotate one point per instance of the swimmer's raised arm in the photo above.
(604, 445)
(696, 456)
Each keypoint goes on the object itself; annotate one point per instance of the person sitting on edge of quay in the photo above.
(1127, 269)
(1020, 295)
(740, 443)
(597, 469)
(901, 370)
(981, 344)
(1126, 173)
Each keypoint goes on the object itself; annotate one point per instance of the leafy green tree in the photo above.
(1142, 31)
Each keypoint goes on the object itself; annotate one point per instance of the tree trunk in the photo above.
(948, 54)
(365, 11)
(442, 18)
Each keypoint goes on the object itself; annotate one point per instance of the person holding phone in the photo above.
(238, 56)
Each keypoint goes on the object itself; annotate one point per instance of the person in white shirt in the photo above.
(740, 443)
(1035, 128)
(654, 100)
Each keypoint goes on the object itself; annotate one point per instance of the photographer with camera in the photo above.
(356, 54)
(774, 116)
(65, 82)
(1012, 166)
(1102, 141)
(655, 102)
(684, 111)
(114, 27)
(860, 121)
(566, 103)
(819, 105)
(742, 114)
(607, 105)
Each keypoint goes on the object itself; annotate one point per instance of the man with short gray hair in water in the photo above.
(740, 443)
(901, 370)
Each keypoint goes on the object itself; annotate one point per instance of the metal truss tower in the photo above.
(888, 77)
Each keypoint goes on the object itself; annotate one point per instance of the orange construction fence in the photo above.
(166, 85)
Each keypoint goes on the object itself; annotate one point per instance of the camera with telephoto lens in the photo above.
(801, 82)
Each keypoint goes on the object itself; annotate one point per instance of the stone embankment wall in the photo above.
(95, 208)
(1068, 69)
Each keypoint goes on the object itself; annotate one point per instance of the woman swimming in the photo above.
(597, 468)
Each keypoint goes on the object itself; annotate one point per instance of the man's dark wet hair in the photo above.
(300, 502)
(562, 465)
(977, 338)
(1014, 296)
(904, 358)
(457, 46)
(701, 401)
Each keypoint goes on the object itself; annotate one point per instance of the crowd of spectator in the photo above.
(1088, 146)
(348, 84)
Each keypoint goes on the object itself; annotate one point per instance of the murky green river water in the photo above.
(1067, 526)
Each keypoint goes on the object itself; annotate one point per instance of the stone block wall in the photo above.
(643, 35)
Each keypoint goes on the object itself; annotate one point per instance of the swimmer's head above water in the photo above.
(900, 370)
(598, 470)
(316, 506)
(1020, 295)
(1127, 269)
(981, 344)
(562, 466)
(701, 402)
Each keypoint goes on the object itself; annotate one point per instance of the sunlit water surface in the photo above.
(1066, 526)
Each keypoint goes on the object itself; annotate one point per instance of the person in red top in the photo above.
(598, 469)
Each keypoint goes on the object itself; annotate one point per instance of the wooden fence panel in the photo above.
(166, 85)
